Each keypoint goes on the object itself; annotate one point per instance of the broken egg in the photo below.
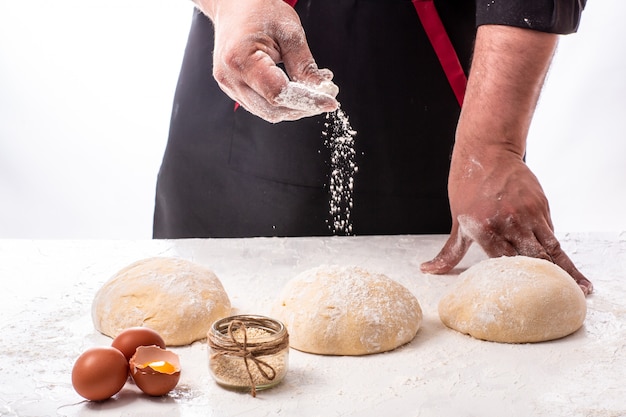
(99, 373)
(155, 371)
(130, 339)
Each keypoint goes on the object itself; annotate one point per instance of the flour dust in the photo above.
(339, 138)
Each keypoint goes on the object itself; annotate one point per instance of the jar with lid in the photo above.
(248, 352)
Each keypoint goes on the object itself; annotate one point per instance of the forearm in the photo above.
(506, 77)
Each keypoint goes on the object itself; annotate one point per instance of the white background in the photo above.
(85, 99)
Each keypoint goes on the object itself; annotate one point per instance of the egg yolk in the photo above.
(161, 366)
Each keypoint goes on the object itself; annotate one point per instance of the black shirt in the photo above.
(228, 173)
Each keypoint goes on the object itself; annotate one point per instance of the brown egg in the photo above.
(99, 373)
(155, 371)
(130, 339)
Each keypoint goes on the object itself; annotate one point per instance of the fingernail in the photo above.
(428, 267)
(586, 287)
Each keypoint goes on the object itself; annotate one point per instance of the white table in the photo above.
(45, 323)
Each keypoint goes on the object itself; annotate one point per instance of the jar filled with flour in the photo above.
(248, 352)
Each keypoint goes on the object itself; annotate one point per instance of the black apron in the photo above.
(228, 173)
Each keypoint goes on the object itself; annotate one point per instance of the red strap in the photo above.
(443, 47)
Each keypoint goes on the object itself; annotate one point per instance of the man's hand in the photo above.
(498, 203)
(251, 37)
(495, 199)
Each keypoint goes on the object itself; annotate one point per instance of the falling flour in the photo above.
(339, 138)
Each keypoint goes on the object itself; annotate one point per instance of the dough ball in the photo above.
(333, 310)
(176, 298)
(514, 300)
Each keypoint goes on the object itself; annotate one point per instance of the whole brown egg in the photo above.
(99, 373)
(130, 339)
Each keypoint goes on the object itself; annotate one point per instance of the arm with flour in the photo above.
(495, 199)
(250, 39)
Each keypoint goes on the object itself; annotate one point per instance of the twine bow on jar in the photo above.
(249, 338)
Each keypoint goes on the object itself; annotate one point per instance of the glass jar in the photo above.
(248, 352)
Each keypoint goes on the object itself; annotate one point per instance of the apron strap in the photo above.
(443, 47)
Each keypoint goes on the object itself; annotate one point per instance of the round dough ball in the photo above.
(333, 310)
(176, 298)
(514, 300)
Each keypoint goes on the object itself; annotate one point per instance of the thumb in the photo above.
(450, 255)
(302, 68)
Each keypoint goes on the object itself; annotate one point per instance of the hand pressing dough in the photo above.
(334, 310)
(177, 298)
(514, 300)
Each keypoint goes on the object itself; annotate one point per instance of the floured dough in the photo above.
(514, 300)
(334, 310)
(177, 298)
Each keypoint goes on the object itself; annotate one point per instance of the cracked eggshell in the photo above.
(155, 381)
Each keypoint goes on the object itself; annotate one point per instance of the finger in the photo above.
(263, 76)
(494, 244)
(259, 106)
(560, 258)
(269, 82)
(326, 74)
(527, 244)
(255, 83)
(275, 114)
(299, 62)
(450, 255)
(302, 97)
